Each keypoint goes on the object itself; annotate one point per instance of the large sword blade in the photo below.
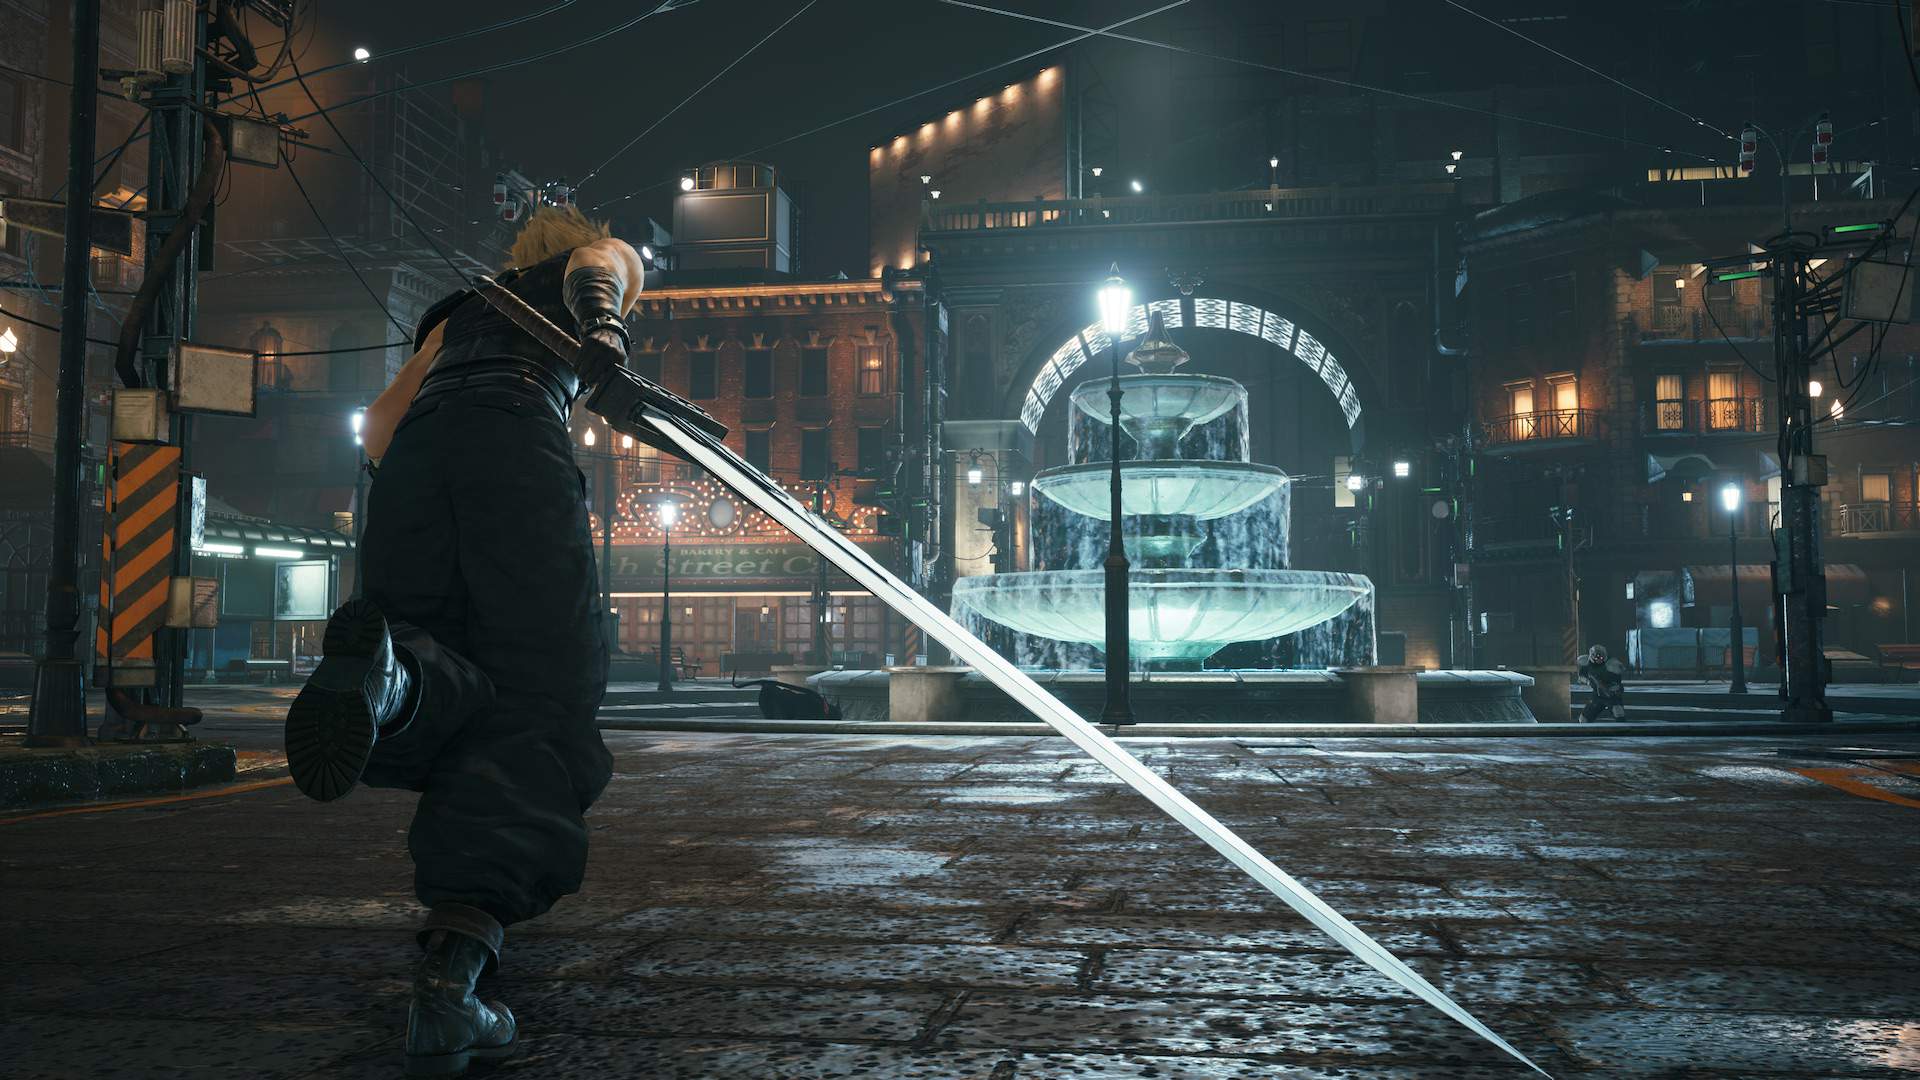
(754, 486)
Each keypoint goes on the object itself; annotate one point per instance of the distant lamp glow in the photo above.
(646, 252)
(1097, 170)
(686, 183)
(1356, 482)
(1455, 155)
(588, 437)
(669, 512)
(1814, 389)
(1660, 614)
(357, 421)
(935, 193)
(1138, 186)
(1403, 469)
(1730, 496)
(974, 476)
(8, 341)
(361, 54)
(1017, 487)
(926, 178)
(1838, 409)
(1452, 168)
(626, 442)
(1686, 496)
(1116, 302)
(279, 553)
(1273, 163)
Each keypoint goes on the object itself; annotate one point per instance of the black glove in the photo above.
(592, 294)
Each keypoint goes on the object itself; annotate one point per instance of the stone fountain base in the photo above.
(1197, 697)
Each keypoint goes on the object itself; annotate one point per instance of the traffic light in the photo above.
(1749, 149)
(1822, 139)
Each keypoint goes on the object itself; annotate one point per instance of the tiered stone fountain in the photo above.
(1180, 613)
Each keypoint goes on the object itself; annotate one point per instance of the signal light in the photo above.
(499, 189)
(1749, 149)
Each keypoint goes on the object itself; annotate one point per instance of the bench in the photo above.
(271, 669)
(682, 664)
(1900, 658)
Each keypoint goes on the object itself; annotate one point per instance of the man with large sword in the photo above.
(472, 696)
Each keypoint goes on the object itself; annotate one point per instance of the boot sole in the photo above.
(454, 1064)
(330, 727)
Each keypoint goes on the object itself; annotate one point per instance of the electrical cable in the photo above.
(904, 98)
(1328, 79)
(339, 248)
(1900, 22)
(1536, 43)
(648, 130)
(319, 110)
(236, 348)
(1736, 349)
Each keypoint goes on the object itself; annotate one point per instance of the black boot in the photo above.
(361, 686)
(446, 1025)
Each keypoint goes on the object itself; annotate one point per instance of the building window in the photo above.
(814, 454)
(813, 373)
(646, 365)
(872, 451)
(1520, 315)
(760, 449)
(1520, 408)
(703, 376)
(267, 343)
(1723, 400)
(13, 113)
(759, 380)
(871, 365)
(1559, 308)
(1718, 296)
(1876, 487)
(12, 241)
(1669, 300)
(1669, 403)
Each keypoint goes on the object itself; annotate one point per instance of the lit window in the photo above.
(1876, 487)
(1669, 403)
(872, 370)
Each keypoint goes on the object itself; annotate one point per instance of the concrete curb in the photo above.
(34, 777)
(1241, 731)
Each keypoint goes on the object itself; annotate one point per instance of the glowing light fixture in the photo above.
(1455, 155)
(1660, 614)
(1403, 469)
(279, 553)
(1356, 482)
(588, 437)
(1838, 409)
(8, 341)
(973, 476)
(669, 512)
(1116, 302)
(1138, 186)
(1273, 163)
(1814, 389)
(1730, 496)
(357, 421)
(626, 442)
(215, 547)
(361, 54)
(1017, 487)
(686, 183)
(935, 193)
(926, 178)
(1097, 170)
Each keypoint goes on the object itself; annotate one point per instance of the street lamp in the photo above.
(1116, 307)
(1730, 497)
(357, 422)
(669, 513)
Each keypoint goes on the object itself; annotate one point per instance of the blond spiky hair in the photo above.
(552, 230)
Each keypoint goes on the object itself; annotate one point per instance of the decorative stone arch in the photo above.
(1307, 341)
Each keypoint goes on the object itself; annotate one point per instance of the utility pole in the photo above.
(58, 715)
(821, 653)
(1801, 579)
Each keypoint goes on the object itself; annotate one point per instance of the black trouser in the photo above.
(477, 535)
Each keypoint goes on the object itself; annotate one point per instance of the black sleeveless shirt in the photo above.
(478, 341)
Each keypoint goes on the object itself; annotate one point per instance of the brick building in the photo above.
(815, 382)
(1613, 376)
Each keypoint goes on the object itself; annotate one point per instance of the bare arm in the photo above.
(376, 433)
(619, 257)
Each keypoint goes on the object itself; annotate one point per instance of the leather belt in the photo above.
(516, 376)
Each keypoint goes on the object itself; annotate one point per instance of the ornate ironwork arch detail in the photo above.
(1310, 343)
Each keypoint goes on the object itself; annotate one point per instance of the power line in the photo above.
(337, 246)
(236, 348)
(629, 144)
(904, 98)
(1538, 44)
(319, 110)
(1328, 79)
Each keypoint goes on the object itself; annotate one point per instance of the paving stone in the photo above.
(62, 1048)
(1343, 978)
(1843, 992)
(632, 1007)
(859, 965)
(1744, 1043)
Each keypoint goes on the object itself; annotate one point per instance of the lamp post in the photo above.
(1116, 305)
(1730, 497)
(358, 422)
(669, 513)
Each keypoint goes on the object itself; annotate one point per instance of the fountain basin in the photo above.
(1198, 489)
(1172, 614)
(1157, 411)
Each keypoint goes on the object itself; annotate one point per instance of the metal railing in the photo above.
(1251, 205)
(1669, 416)
(1678, 322)
(1853, 519)
(1542, 425)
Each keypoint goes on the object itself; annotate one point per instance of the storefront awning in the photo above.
(252, 531)
(1686, 467)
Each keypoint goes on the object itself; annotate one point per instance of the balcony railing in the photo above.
(1709, 416)
(1854, 519)
(1541, 426)
(1255, 204)
(1676, 322)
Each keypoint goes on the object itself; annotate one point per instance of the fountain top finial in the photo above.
(1157, 354)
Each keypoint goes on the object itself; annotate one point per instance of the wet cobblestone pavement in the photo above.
(998, 909)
